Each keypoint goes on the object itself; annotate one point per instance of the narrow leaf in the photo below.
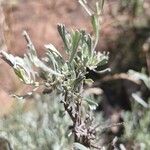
(78, 81)
(139, 100)
(62, 32)
(95, 23)
(52, 49)
(78, 146)
(75, 42)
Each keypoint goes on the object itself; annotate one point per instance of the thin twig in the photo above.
(109, 126)
(29, 42)
(66, 106)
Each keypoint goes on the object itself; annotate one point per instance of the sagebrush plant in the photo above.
(43, 127)
(137, 128)
(66, 77)
(138, 124)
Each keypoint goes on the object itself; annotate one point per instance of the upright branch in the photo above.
(67, 77)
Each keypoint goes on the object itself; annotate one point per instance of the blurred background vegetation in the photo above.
(38, 123)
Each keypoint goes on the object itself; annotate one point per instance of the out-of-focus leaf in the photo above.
(140, 76)
(99, 6)
(98, 10)
(88, 81)
(25, 96)
(139, 100)
(102, 4)
(78, 146)
(91, 103)
(87, 9)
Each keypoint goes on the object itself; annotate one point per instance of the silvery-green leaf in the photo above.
(98, 8)
(78, 146)
(78, 81)
(84, 5)
(23, 75)
(88, 81)
(63, 33)
(76, 36)
(91, 102)
(85, 60)
(86, 44)
(140, 76)
(101, 4)
(38, 63)
(95, 23)
(54, 57)
(52, 60)
(102, 59)
(30, 46)
(102, 71)
(10, 59)
(89, 43)
(45, 68)
(52, 49)
(21, 67)
(139, 100)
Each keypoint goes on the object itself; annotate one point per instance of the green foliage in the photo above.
(141, 76)
(43, 127)
(137, 127)
(65, 78)
(137, 121)
(63, 118)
